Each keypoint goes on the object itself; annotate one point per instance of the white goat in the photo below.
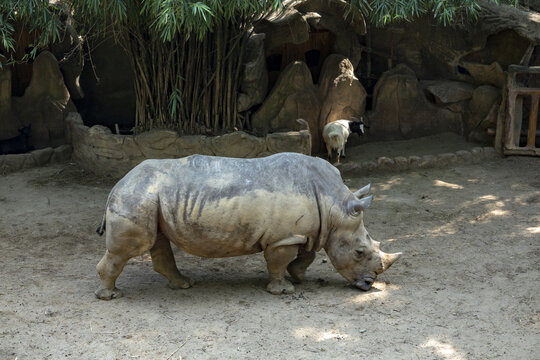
(336, 133)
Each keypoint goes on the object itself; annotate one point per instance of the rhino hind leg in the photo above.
(164, 263)
(124, 239)
(297, 269)
(277, 259)
(110, 266)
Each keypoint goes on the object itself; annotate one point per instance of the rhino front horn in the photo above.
(388, 259)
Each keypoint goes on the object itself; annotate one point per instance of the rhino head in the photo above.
(352, 251)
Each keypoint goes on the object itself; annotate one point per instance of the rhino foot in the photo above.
(278, 287)
(297, 272)
(106, 294)
(181, 283)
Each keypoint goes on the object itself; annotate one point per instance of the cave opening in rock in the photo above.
(313, 52)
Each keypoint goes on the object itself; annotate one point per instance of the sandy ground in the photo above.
(467, 287)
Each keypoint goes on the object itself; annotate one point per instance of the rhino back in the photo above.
(214, 207)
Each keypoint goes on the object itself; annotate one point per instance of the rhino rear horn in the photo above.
(357, 205)
(363, 191)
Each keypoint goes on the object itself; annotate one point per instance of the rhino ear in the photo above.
(354, 207)
(363, 191)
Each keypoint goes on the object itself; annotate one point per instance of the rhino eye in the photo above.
(360, 252)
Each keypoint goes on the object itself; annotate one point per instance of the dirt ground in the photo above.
(467, 286)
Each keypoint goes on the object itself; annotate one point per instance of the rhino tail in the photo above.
(101, 228)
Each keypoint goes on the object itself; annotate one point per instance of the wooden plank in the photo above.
(518, 120)
(522, 151)
(533, 118)
(525, 91)
(501, 115)
(509, 123)
(524, 69)
(527, 56)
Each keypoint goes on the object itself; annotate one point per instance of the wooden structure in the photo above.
(518, 127)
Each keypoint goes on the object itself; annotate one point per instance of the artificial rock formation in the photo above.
(293, 97)
(9, 126)
(449, 92)
(43, 107)
(281, 27)
(481, 117)
(474, 51)
(341, 94)
(401, 110)
(330, 15)
(338, 96)
(254, 83)
(294, 24)
(71, 59)
(98, 150)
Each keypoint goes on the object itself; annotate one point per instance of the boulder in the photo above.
(42, 156)
(5, 86)
(483, 108)
(158, 143)
(295, 141)
(341, 94)
(47, 80)
(254, 82)
(333, 16)
(69, 53)
(193, 144)
(293, 97)
(9, 124)
(45, 104)
(459, 51)
(62, 153)
(449, 92)
(401, 110)
(492, 74)
(238, 145)
(282, 27)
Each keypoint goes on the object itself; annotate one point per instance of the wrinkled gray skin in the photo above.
(288, 205)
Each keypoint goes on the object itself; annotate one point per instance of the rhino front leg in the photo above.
(164, 263)
(297, 269)
(278, 256)
(277, 259)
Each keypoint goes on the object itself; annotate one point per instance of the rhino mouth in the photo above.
(365, 283)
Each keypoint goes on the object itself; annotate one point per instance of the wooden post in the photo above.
(533, 118)
(518, 119)
(500, 131)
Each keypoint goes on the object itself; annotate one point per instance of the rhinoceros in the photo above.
(287, 205)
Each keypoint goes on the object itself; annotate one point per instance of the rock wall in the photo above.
(98, 150)
(402, 111)
(15, 162)
(339, 95)
(474, 51)
(402, 163)
(43, 107)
